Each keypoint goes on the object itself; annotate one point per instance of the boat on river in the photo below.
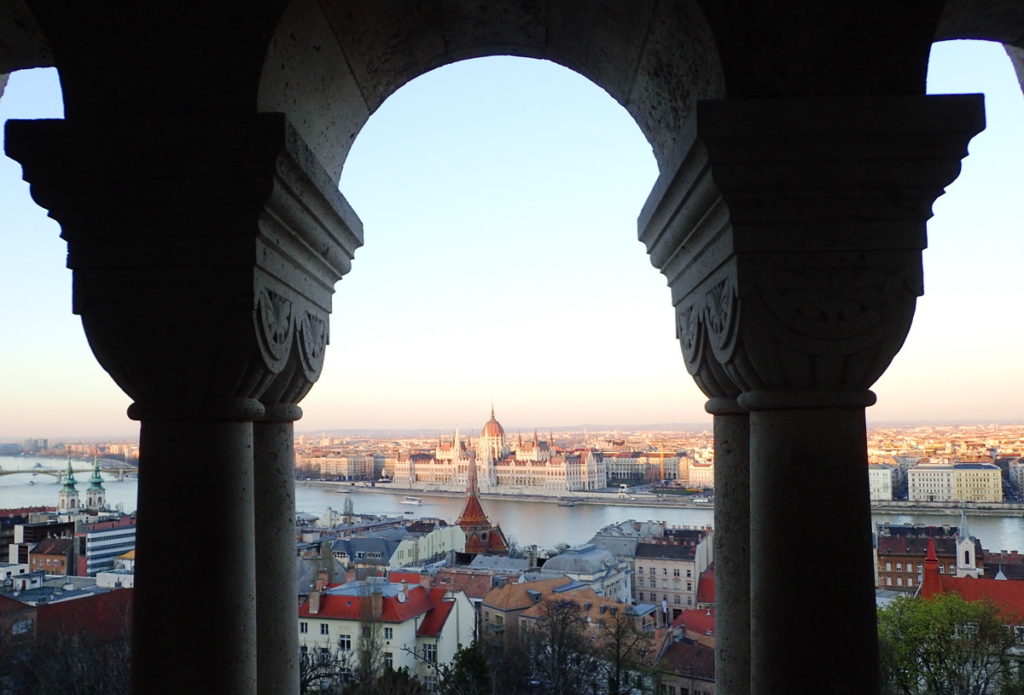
(410, 500)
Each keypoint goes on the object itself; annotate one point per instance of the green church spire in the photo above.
(96, 481)
(69, 479)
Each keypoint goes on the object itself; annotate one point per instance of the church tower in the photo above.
(68, 502)
(966, 552)
(95, 495)
(481, 536)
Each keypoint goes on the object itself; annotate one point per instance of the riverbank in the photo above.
(643, 499)
(565, 499)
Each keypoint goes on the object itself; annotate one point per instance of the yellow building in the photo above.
(977, 482)
(958, 482)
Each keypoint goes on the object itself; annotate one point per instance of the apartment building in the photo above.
(668, 570)
(957, 482)
(412, 626)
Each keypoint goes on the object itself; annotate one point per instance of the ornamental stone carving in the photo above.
(196, 311)
(791, 234)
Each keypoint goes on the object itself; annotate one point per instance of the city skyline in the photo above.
(499, 198)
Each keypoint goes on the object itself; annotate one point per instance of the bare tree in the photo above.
(561, 650)
(322, 670)
(625, 652)
(74, 664)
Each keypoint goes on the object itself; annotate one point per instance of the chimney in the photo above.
(314, 602)
(376, 604)
(321, 581)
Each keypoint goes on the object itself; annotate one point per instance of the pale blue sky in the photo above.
(499, 198)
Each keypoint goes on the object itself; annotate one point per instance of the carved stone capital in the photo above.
(791, 234)
(204, 251)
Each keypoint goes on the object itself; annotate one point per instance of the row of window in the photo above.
(920, 567)
(344, 641)
(675, 599)
(664, 571)
(664, 584)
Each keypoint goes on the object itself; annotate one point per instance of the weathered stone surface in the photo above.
(493, 27)
(791, 231)
(195, 308)
(323, 97)
(22, 44)
(989, 20)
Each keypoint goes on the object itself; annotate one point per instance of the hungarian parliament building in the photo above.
(532, 463)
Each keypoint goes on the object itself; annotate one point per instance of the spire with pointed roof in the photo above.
(96, 481)
(930, 583)
(95, 496)
(963, 531)
(69, 479)
(481, 535)
(68, 496)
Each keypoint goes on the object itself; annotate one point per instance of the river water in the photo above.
(541, 523)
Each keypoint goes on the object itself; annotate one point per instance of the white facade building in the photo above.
(958, 482)
(412, 627)
(883, 480)
(1016, 474)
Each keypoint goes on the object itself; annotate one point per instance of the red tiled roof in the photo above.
(435, 620)
(689, 659)
(700, 620)
(407, 577)
(473, 584)
(706, 585)
(473, 514)
(342, 607)
(1006, 595)
(22, 511)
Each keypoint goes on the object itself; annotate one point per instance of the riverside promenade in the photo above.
(648, 499)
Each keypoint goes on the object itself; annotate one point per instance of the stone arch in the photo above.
(1001, 21)
(329, 66)
(22, 43)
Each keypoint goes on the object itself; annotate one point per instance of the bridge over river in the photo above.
(116, 471)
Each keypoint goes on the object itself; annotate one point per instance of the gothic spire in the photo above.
(963, 531)
(96, 481)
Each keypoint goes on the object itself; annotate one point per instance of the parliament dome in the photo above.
(493, 428)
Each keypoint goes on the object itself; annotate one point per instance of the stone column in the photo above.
(277, 634)
(274, 440)
(811, 569)
(732, 546)
(791, 234)
(201, 248)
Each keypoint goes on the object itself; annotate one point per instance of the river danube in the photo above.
(542, 523)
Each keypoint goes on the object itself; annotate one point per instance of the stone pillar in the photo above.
(203, 250)
(274, 440)
(732, 546)
(811, 552)
(194, 581)
(791, 234)
(277, 634)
